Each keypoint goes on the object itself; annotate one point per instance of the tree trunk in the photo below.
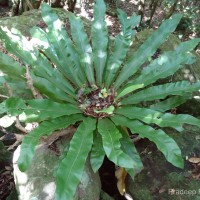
(71, 5)
(141, 10)
(171, 10)
(153, 7)
(20, 6)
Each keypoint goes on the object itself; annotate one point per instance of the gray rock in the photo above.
(38, 182)
(105, 196)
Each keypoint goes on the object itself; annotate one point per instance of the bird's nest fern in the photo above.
(98, 87)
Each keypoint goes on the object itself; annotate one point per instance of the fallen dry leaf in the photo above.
(120, 174)
(194, 160)
(162, 190)
(196, 167)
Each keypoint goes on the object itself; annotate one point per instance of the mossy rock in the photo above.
(23, 22)
(105, 196)
(38, 181)
(33, 18)
(159, 177)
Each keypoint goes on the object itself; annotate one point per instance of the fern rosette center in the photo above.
(98, 103)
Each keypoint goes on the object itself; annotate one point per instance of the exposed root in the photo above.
(35, 93)
(19, 126)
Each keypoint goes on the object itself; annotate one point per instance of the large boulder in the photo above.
(38, 182)
(33, 18)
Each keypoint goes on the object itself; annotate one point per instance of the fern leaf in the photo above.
(167, 64)
(70, 169)
(163, 142)
(147, 49)
(97, 154)
(82, 46)
(39, 109)
(163, 120)
(111, 144)
(170, 103)
(161, 91)
(121, 45)
(32, 139)
(99, 35)
(30, 56)
(11, 68)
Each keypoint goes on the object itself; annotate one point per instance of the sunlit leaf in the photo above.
(129, 89)
(57, 45)
(162, 67)
(99, 34)
(10, 67)
(121, 45)
(162, 91)
(83, 46)
(147, 49)
(30, 56)
(39, 109)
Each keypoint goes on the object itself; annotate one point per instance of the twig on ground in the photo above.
(7, 135)
(55, 135)
(19, 126)
(3, 130)
(4, 96)
(136, 139)
(29, 4)
(19, 139)
(36, 93)
(47, 140)
(10, 92)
